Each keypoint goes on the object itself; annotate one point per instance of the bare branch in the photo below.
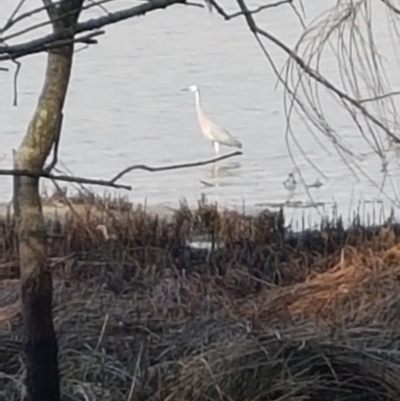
(228, 17)
(381, 97)
(113, 181)
(10, 22)
(391, 6)
(37, 45)
(17, 69)
(87, 39)
(98, 4)
(314, 74)
(174, 166)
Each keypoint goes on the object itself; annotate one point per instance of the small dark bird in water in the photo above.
(290, 183)
(316, 184)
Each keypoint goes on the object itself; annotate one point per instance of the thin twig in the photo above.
(113, 182)
(41, 44)
(96, 4)
(228, 17)
(13, 14)
(380, 97)
(314, 74)
(38, 10)
(66, 178)
(17, 69)
(56, 16)
(172, 167)
(391, 6)
(66, 200)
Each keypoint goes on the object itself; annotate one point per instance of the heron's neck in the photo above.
(197, 95)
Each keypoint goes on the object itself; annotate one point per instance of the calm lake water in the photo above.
(125, 106)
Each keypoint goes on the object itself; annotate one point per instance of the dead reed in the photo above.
(263, 314)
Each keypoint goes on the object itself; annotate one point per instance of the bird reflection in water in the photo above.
(218, 171)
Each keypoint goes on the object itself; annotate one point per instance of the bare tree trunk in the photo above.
(41, 348)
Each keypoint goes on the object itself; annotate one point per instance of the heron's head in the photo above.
(191, 88)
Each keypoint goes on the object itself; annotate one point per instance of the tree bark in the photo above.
(41, 350)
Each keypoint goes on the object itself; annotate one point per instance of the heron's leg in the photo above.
(216, 147)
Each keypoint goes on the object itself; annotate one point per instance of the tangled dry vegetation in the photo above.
(263, 315)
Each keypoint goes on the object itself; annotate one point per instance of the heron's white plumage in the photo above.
(211, 130)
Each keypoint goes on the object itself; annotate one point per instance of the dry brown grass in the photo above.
(266, 315)
(354, 289)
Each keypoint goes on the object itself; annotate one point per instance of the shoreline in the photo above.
(309, 217)
(59, 207)
(61, 210)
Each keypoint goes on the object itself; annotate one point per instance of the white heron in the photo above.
(290, 183)
(216, 134)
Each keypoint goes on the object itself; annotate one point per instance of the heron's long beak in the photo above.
(185, 90)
